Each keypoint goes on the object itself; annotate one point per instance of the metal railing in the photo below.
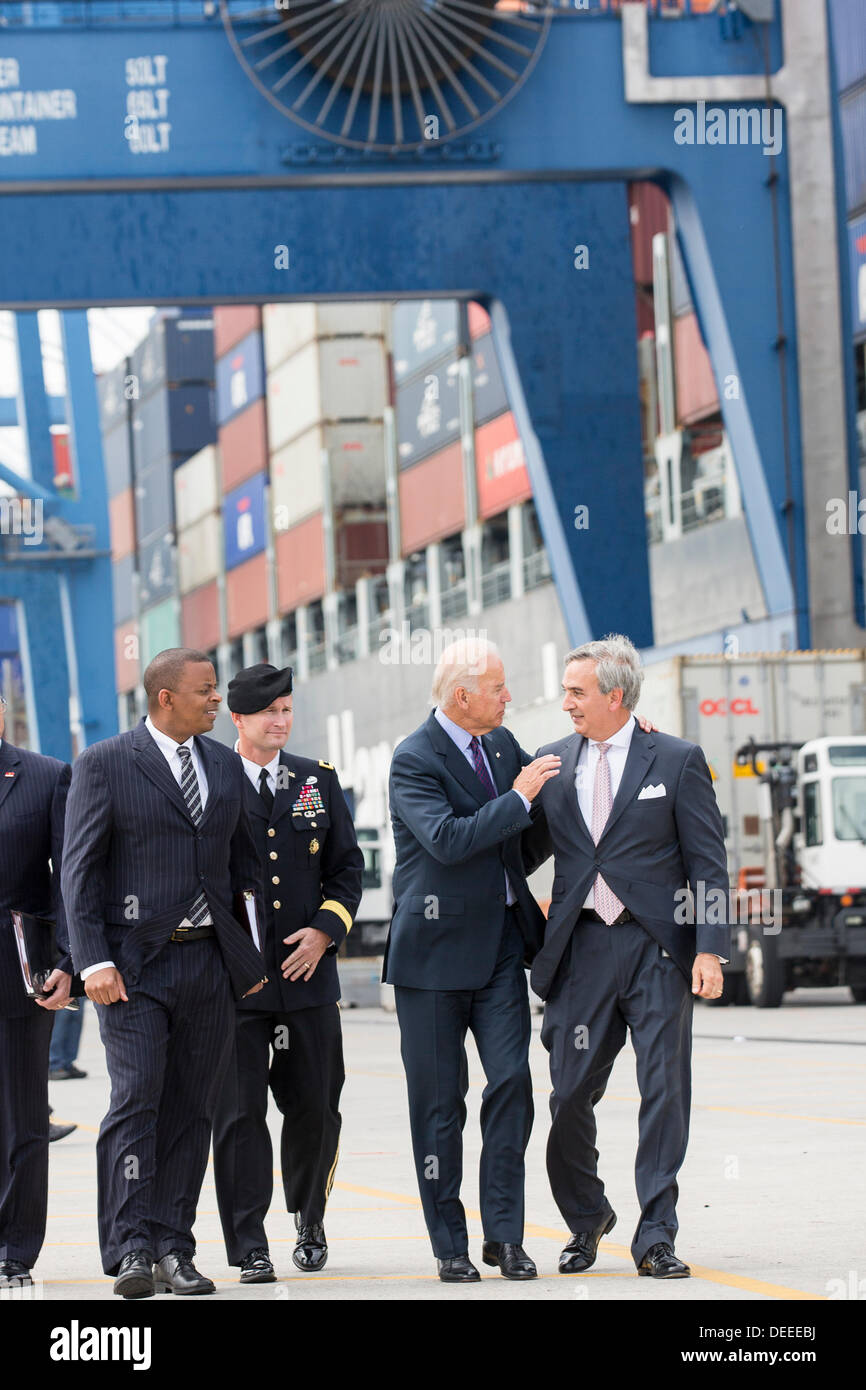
(536, 569)
(316, 657)
(454, 602)
(496, 585)
(346, 646)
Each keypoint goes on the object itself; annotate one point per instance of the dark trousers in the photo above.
(166, 1050)
(613, 980)
(300, 1056)
(433, 1027)
(66, 1037)
(24, 1044)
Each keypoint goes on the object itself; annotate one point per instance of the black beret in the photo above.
(256, 687)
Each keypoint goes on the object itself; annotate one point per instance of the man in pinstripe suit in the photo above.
(32, 802)
(158, 842)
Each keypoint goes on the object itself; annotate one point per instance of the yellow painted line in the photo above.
(85, 1129)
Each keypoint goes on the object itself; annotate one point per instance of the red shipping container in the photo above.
(431, 499)
(649, 213)
(62, 461)
(200, 617)
(243, 444)
(361, 548)
(127, 655)
(500, 466)
(479, 320)
(121, 521)
(231, 322)
(300, 553)
(696, 386)
(247, 596)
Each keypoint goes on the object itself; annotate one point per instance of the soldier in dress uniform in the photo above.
(288, 1035)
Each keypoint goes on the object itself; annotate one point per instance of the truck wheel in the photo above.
(859, 992)
(765, 972)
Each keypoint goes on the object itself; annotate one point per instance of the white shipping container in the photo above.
(289, 327)
(356, 454)
(197, 487)
(199, 552)
(329, 380)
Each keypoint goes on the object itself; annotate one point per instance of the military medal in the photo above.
(314, 846)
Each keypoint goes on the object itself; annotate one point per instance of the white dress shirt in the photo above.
(584, 776)
(254, 770)
(168, 747)
(463, 738)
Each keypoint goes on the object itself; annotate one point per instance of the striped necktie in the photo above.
(481, 768)
(192, 796)
(607, 904)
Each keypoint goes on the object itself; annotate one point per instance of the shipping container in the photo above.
(9, 639)
(173, 420)
(852, 115)
(424, 330)
(243, 446)
(488, 388)
(289, 327)
(175, 350)
(232, 322)
(126, 662)
(649, 214)
(116, 459)
(200, 618)
(356, 463)
(244, 521)
(63, 476)
(121, 522)
(160, 629)
(199, 552)
(427, 412)
(156, 565)
(300, 557)
(479, 320)
(697, 396)
(432, 499)
(197, 487)
(154, 500)
(240, 377)
(681, 295)
(848, 31)
(331, 379)
(360, 548)
(500, 466)
(247, 596)
(113, 391)
(122, 580)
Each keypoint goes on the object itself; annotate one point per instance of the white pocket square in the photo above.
(647, 792)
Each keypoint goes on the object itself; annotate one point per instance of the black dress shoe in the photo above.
(660, 1262)
(459, 1269)
(580, 1252)
(135, 1275)
(512, 1260)
(311, 1251)
(176, 1273)
(256, 1268)
(14, 1274)
(56, 1132)
(70, 1073)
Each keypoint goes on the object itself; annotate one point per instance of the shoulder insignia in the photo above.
(329, 766)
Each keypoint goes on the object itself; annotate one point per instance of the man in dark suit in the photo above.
(33, 792)
(157, 844)
(288, 1035)
(632, 820)
(464, 926)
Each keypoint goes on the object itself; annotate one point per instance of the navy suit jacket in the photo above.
(32, 803)
(135, 861)
(453, 847)
(650, 850)
(319, 866)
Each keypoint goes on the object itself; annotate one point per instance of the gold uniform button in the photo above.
(275, 879)
(313, 825)
(274, 854)
(272, 831)
(277, 902)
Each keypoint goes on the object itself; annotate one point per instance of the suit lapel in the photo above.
(641, 756)
(564, 793)
(152, 762)
(455, 761)
(214, 774)
(501, 779)
(286, 796)
(9, 762)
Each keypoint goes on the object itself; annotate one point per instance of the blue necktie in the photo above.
(481, 769)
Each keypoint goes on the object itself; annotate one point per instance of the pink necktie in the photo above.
(607, 905)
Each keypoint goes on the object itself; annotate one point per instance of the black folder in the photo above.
(36, 944)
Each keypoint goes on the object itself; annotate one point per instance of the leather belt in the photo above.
(191, 933)
(589, 914)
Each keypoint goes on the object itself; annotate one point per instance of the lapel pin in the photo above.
(8, 774)
(497, 755)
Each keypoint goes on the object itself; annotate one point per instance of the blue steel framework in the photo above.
(237, 208)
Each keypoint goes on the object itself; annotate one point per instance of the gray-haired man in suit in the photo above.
(632, 820)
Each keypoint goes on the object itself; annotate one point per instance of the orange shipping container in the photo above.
(126, 657)
(121, 520)
(479, 320)
(247, 596)
(696, 386)
(431, 499)
(244, 446)
(649, 213)
(231, 323)
(300, 554)
(200, 617)
(500, 466)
